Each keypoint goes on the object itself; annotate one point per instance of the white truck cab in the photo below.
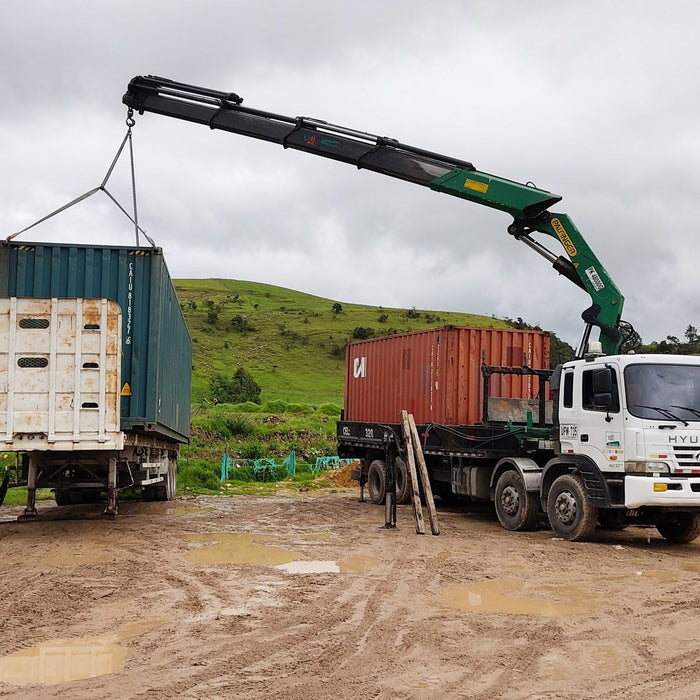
(631, 425)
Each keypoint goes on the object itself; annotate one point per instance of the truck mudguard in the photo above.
(599, 491)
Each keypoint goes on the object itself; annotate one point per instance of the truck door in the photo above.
(601, 421)
(591, 422)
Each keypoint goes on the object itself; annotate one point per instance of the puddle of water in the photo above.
(58, 662)
(358, 563)
(252, 548)
(329, 567)
(96, 556)
(309, 567)
(495, 597)
(238, 548)
(62, 660)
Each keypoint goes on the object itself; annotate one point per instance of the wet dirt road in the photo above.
(303, 596)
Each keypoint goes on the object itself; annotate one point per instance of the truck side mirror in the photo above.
(603, 398)
(602, 381)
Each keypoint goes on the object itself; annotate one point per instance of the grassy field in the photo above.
(292, 343)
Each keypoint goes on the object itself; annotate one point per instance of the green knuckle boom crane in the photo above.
(622, 445)
(528, 205)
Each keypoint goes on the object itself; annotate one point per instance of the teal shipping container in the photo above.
(156, 366)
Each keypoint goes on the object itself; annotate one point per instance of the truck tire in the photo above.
(684, 528)
(404, 490)
(68, 497)
(375, 481)
(515, 507)
(570, 513)
(62, 497)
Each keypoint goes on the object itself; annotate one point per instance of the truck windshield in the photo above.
(663, 392)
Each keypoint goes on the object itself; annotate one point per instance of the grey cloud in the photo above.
(584, 99)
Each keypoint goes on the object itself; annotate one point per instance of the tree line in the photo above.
(672, 345)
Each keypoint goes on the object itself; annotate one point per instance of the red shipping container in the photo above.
(436, 374)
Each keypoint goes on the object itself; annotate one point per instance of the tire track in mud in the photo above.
(253, 631)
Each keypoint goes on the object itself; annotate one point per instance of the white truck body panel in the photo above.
(60, 363)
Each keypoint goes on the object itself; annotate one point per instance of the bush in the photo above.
(236, 389)
(251, 450)
(247, 407)
(240, 324)
(337, 352)
(329, 409)
(362, 333)
(271, 473)
(238, 425)
(276, 406)
(200, 474)
(412, 313)
(266, 473)
(300, 408)
(242, 474)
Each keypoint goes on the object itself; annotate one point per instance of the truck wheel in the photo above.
(403, 482)
(515, 507)
(62, 497)
(571, 515)
(684, 527)
(68, 497)
(375, 481)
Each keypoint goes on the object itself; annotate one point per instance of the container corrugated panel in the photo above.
(156, 348)
(436, 374)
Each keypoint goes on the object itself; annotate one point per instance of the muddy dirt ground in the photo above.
(302, 595)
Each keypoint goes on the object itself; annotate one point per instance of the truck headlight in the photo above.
(653, 467)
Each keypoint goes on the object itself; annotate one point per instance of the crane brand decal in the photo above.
(477, 186)
(359, 367)
(563, 236)
(594, 278)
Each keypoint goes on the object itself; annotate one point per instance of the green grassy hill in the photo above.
(292, 343)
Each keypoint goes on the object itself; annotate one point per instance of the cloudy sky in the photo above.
(597, 101)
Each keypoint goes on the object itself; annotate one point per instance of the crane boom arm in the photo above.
(529, 206)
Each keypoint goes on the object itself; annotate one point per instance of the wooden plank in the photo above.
(423, 470)
(413, 476)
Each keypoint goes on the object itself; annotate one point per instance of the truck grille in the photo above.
(688, 459)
